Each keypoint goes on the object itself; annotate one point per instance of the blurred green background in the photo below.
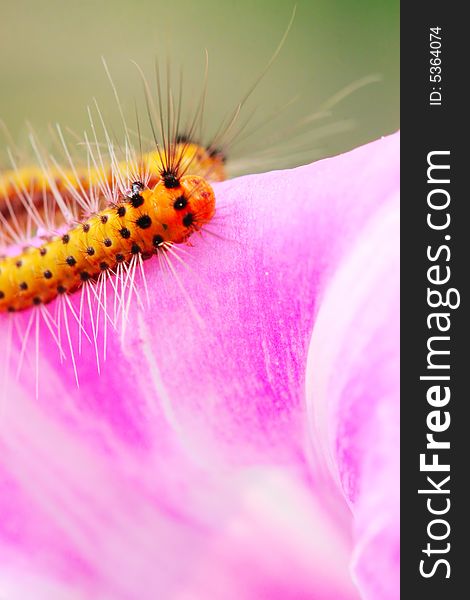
(50, 62)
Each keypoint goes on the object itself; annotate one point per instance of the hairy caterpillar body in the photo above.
(167, 210)
(190, 156)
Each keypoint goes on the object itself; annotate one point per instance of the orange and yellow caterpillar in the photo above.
(175, 200)
(61, 227)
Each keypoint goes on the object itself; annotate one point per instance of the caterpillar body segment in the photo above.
(143, 223)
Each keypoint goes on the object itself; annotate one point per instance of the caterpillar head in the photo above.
(181, 206)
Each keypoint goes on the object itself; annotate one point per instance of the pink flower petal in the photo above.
(183, 469)
(353, 395)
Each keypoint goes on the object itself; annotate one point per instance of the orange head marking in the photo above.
(182, 205)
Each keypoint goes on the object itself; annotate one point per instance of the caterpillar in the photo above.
(174, 202)
(189, 155)
(92, 222)
(140, 205)
(133, 207)
(141, 224)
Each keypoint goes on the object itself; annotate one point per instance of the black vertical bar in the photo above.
(439, 127)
